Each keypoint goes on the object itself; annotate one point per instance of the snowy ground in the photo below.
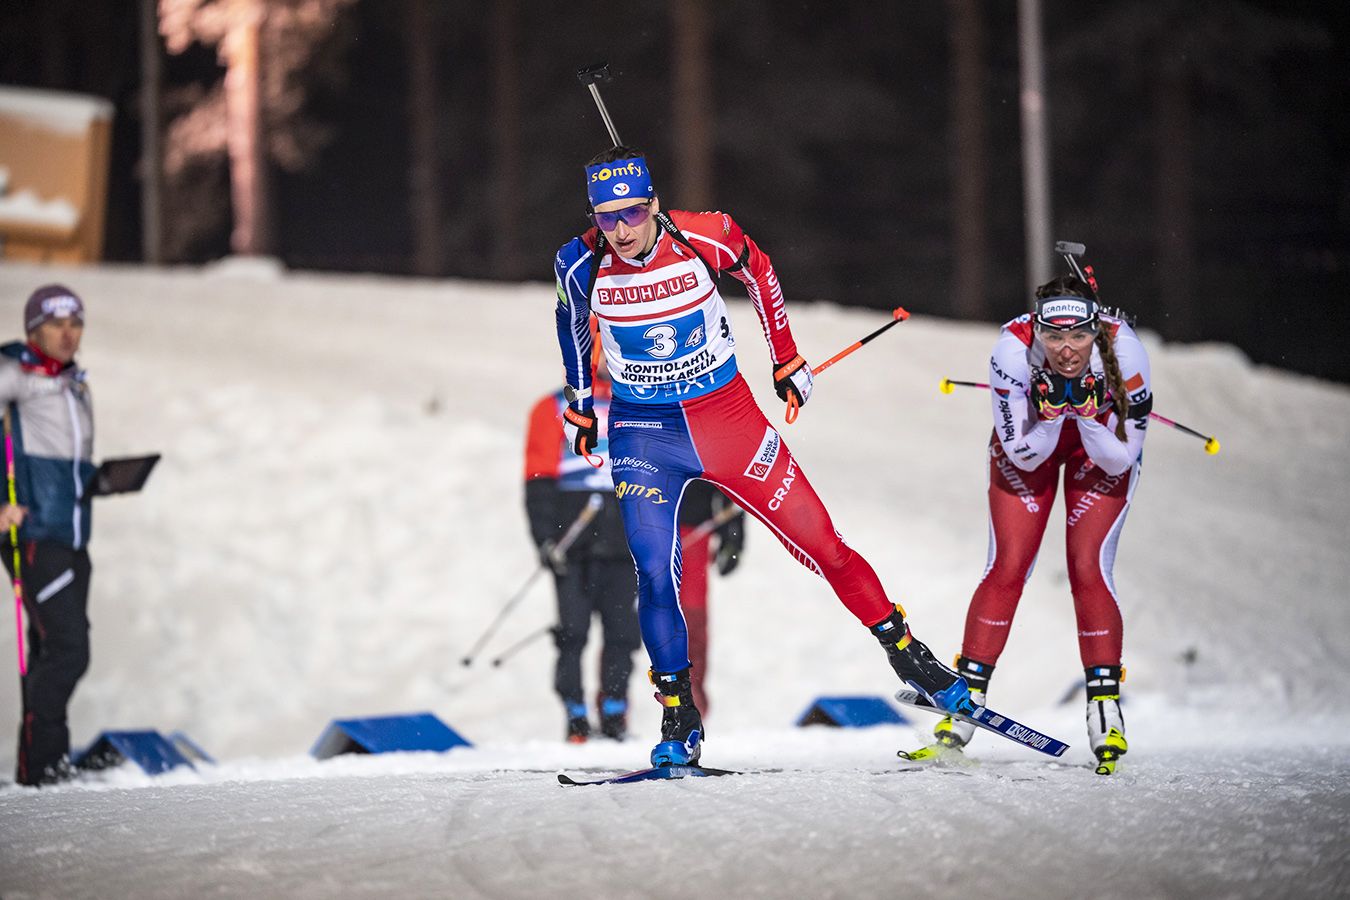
(338, 515)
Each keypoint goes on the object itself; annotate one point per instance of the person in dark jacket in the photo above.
(49, 424)
(594, 577)
(712, 531)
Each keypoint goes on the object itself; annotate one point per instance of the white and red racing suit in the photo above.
(1026, 455)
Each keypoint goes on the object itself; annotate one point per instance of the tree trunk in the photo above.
(1175, 230)
(424, 175)
(243, 111)
(1035, 145)
(969, 160)
(506, 139)
(152, 154)
(693, 107)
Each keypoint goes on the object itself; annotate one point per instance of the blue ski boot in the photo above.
(915, 665)
(681, 724)
(956, 733)
(613, 717)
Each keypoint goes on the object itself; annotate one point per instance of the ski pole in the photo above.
(591, 76)
(1211, 443)
(556, 555)
(898, 315)
(522, 644)
(711, 524)
(14, 542)
(947, 385)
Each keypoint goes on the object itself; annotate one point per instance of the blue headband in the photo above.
(622, 179)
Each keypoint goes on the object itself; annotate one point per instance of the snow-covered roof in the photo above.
(54, 110)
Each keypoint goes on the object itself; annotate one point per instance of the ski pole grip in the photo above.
(597, 73)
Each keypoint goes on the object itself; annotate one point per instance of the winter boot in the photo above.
(1105, 725)
(915, 665)
(578, 726)
(681, 724)
(956, 733)
(613, 717)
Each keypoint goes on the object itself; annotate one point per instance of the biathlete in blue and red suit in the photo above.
(681, 411)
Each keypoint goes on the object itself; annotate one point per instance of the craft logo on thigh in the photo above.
(640, 492)
(764, 457)
(788, 477)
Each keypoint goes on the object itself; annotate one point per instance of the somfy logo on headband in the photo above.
(620, 179)
(605, 173)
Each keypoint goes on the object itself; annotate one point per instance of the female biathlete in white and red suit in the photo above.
(681, 411)
(1070, 391)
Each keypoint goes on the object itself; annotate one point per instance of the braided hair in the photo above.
(1069, 286)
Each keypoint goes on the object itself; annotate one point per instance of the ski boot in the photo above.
(681, 724)
(954, 733)
(613, 717)
(915, 665)
(578, 726)
(1105, 725)
(58, 772)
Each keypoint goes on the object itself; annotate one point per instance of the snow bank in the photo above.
(339, 514)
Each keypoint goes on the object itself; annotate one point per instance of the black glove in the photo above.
(793, 377)
(1087, 395)
(730, 542)
(582, 430)
(1049, 393)
(551, 558)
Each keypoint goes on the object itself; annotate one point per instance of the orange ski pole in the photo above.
(898, 315)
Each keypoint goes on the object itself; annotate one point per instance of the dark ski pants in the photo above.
(608, 587)
(55, 598)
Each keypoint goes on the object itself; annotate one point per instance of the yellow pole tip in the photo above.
(1211, 446)
(946, 386)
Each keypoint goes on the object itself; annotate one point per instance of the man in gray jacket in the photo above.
(49, 419)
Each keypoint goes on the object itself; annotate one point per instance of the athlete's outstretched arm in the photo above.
(572, 268)
(729, 249)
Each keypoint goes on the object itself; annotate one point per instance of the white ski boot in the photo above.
(1105, 724)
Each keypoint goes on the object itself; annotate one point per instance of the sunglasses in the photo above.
(632, 216)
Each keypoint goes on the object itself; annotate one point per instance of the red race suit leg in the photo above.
(1019, 508)
(1096, 505)
(694, 603)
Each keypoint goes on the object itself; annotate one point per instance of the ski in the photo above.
(990, 721)
(656, 773)
(936, 753)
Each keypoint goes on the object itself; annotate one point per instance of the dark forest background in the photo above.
(1199, 149)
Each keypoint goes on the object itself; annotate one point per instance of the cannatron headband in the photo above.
(1065, 313)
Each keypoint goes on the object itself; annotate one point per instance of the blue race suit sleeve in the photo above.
(572, 266)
